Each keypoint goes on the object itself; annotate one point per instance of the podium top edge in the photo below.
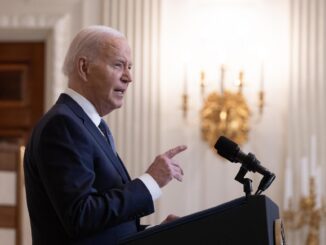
(241, 201)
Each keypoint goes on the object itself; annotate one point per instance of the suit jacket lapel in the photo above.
(124, 168)
(94, 131)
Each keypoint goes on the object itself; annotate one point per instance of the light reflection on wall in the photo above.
(229, 33)
(205, 33)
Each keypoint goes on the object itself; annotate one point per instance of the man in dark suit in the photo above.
(78, 190)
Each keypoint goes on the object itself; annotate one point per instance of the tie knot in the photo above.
(104, 128)
(107, 134)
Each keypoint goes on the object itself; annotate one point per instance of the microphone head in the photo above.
(227, 148)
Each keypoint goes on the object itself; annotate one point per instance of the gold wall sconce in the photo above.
(224, 112)
(309, 214)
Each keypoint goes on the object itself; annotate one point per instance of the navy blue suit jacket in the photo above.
(76, 194)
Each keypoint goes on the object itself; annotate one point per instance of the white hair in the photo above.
(87, 42)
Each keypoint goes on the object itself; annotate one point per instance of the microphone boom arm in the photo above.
(247, 183)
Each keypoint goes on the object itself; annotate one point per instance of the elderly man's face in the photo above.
(109, 76)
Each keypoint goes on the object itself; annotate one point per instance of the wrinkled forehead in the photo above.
(117, 47)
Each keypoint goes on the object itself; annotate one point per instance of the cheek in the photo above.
(103, 79)
(108, 75)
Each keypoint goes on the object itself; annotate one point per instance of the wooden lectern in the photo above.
(247, 220)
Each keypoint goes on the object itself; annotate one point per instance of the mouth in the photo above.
(120, 91)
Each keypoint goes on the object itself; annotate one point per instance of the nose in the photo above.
(126, 76)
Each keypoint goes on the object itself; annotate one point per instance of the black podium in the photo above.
(246, 220)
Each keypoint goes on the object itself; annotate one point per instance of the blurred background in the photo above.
(252, 70)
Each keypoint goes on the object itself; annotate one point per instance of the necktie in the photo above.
(109, 138)
(107, 133)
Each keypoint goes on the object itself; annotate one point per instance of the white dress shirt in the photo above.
(91, 112)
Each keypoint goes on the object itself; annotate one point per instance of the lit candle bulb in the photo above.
(185, 93)
(304, 177)
(202, 83)
(185, 80)
(241, 80)
(222, 78)
(313, 155)
(288, 192)
(262, 77)
(261, 96)
(319, 186)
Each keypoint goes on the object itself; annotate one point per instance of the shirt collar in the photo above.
(85, 104)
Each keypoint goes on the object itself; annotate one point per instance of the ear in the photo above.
(83, 67)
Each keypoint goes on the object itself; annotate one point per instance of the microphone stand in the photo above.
(246, 182)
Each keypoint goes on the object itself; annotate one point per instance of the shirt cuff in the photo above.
(151, 185)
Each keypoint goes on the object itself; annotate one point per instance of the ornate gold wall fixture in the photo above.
(225, 113)
(309, 215)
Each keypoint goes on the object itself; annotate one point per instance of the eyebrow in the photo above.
(124, 61)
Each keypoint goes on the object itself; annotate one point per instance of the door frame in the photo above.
(54, 32)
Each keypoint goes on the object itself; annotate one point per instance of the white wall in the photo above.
(209, 180)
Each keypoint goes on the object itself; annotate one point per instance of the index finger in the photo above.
(174, 151)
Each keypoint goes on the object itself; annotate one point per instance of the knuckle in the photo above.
(160, 157)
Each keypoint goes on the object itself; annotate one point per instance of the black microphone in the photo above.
(231, 151)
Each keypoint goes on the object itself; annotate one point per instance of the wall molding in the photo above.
(53, 30)
(136, 126)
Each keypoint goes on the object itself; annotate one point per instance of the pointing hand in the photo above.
(164, 168)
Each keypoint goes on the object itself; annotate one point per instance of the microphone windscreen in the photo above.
(227, 148)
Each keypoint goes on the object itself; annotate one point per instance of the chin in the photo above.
(110, 108)
(118, 105)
